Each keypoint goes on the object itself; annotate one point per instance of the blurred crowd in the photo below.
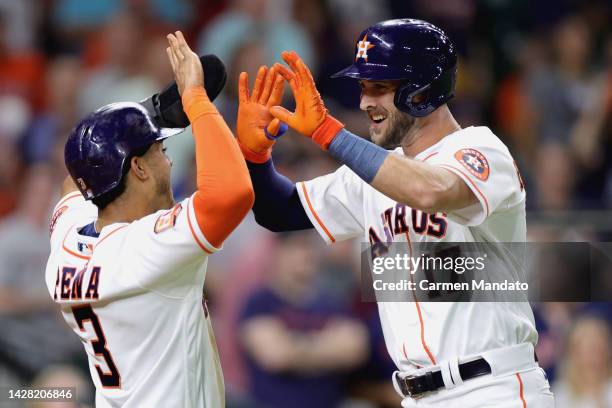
(288, 319)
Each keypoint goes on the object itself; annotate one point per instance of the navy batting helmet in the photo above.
(99, 146)
(414, 51)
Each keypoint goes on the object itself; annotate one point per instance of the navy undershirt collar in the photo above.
(89, 230)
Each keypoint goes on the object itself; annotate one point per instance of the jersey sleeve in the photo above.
(334, 204)
(167, 249)
(485, 165)
(72, 209)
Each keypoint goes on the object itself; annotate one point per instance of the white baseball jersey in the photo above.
(133, 295)
(341, 206)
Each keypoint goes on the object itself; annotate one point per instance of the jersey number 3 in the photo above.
(86, 313)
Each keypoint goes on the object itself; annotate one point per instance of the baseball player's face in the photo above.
(160, 165)
(388, 125)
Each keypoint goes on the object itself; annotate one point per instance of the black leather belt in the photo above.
(415, 386)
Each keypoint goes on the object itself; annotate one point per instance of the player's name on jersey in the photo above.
(426, 285)
(69, 283)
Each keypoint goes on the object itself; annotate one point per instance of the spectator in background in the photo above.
(299, 344)
(21, 23)
(79, 15)
(347, 19)
(14, 117)
(122, 77)
(240, 269)
(21, 74)
(52, 126)
(514, 114)
(23, 250)
(474, 83)
(24, 299)
(591, 142)
(554, 178)
(247, 56)
(21, 70)
(561, 92)
(571, 103)
(264, 20)
(586, 378)
(552, 107)
(235, 274)
(370, 382)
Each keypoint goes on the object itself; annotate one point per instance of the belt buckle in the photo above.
(403, 384)
(408, 391)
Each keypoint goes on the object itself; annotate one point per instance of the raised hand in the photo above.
(310, 117)
(256, 128)
(310, 111)
(185, 63)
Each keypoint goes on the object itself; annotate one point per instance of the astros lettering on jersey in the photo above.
(342, 206)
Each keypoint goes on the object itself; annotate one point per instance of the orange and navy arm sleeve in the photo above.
(225, 193)
(277, 203)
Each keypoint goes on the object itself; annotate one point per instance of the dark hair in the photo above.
(105, 199)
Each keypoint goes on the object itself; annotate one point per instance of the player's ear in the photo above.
(140, 168)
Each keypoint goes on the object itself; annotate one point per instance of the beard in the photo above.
(164, 191)
(399, 126)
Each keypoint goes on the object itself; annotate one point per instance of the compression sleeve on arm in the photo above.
(225, 193)
(277, 203)
(360, 155)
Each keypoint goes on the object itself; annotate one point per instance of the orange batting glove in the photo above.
(256, 127)
(311, 117)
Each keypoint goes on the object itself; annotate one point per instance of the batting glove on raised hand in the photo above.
(256, 128)
(311, 117)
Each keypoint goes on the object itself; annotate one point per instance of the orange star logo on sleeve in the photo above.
(362, 48)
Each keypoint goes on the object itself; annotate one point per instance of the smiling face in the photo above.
(388, 125)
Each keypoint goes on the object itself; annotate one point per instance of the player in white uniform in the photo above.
(443, 184)
(128, 272)
(134, 297)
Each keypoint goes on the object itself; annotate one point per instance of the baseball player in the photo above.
(128, 270)
(439, 183)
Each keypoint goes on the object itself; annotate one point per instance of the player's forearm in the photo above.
(225, 193)
(407, 181)
(421, 186)
(277, 203)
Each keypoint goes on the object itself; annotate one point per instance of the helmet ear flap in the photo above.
(413, 102)
(424, 100)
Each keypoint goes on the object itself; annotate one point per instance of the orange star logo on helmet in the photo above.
(362, 48)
